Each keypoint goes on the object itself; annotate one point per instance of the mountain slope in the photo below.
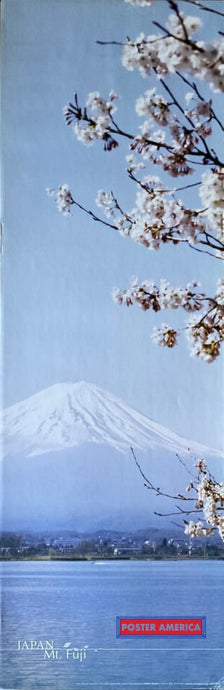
(67, 415)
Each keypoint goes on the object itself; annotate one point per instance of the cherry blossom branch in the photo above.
(209, 497)
(110, 43)
(156, 219)
(204, 251)
(181, 461)
(185, 186)
(205, 335)
(127, 225)
(178, 512)
(219, 246)
(94, 217)
(161, 191)
(64, 201)
(194, 86)
(74, 112)
(173, 5)
(213, 158)
(186, 41)
(149, 485)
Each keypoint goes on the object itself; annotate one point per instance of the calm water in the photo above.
(78, 603)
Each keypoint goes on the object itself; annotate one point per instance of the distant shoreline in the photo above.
(181, 557)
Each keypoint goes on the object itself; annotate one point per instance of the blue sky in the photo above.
(60, 323)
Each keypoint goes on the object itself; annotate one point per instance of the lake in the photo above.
(75, 604)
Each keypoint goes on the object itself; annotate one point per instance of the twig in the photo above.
(94, 217)
(110, 43)
(157, 490)
(204, 251)
(206, 9)
(185, 466)
(174, 6)
(213, 158)
(196, 90)
(187, 41)
(161, 191)
(183, 512)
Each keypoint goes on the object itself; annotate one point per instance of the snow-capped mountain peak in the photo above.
(70, 414)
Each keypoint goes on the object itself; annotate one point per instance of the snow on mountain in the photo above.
(70, 414)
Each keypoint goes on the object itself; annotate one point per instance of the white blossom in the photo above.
(166, 54)
(140, 54)
(183, 140)
(209, 500)
(221, 527)
(142, 3)
(153, 106)
(204, 334)
(201, 466)
(157, 219)
(201, 109)
(148, 295)
(175, 164)
(99, 105)
(62, 197)
(220, 291)
(133, 165)
(212, 196)
(203, 340)
(85, 134)
(102, 125)
(205, 337)
(112, 95)
(148, 141)
(188, 96)
(175, 26)
(117, 296)
(209, 509)
(106, 201)
(95, 123)
(194, 529)
(165, 335)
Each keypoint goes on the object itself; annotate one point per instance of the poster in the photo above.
(114, 107)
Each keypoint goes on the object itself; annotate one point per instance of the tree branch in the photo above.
(94, 217)
(193, 86)
(203, 7)
(157, 489)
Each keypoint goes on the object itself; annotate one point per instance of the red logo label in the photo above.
(161, 626)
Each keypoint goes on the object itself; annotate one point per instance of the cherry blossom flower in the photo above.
(221, 527)
(106, 201)
(194, 529)
(133, 165)
(209, 495)
(177, 51)
(153, 106)
(142, 3)
(212, 196)
(97, 124)
(62, 197)
(165, 335)
(204, 334)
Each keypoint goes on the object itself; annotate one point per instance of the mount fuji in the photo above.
(67, 462)
(67, 415)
